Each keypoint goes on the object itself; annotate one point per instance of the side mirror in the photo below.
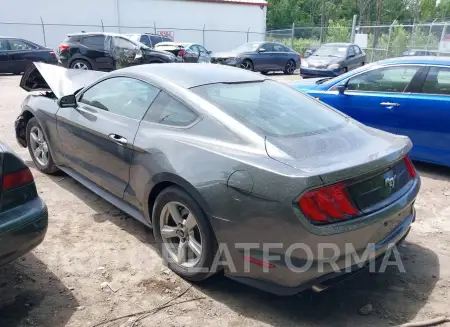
(262, 50)
(341, 88)
(68, 101)
(209, 52)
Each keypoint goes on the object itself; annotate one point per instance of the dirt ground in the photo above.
(96, 263)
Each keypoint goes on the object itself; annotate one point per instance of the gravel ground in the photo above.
(96, 263)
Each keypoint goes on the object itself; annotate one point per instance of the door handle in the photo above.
(390, 104)
(118, 139)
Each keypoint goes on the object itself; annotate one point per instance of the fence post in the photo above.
(203, 36)
(352, 37)
(103, 28)
(429, 34)
(444, 30)
(248, 31)
(154, 26)
(43, 31)
(389, 40)
(411, 37)
(292, 35)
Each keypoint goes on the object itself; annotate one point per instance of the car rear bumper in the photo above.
(315, 72)
(22, 229)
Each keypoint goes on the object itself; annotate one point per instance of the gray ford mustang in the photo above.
(232, 170)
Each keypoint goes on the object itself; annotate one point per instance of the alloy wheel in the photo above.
(39, 146)
(180, 234)
(290, 68)
(246, 65)
(80, 65)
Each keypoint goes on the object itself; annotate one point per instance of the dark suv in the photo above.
(107, 52)
(149, 39)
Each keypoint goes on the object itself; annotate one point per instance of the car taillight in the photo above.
(410, 166)
(327, 204)
(53, 54)
(63, 47)
(17, 179)
(299, 55)
(181, 53)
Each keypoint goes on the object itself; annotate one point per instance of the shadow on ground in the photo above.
(30, 295)
(395, 297)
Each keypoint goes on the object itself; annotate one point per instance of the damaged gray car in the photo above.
(224, 163)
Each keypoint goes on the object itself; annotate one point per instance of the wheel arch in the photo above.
(21, 127)
(81, 57)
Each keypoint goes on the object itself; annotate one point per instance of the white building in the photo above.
(219, 25)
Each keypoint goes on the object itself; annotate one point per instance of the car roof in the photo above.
(98, 33)
(9, 37)
(417, 60)
(340, 44)
(188, 76)
(184, 44)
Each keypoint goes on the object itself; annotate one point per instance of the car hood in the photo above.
(339, 153)
(306, 83)
(224, 55)
(319, 60)
(61, 81)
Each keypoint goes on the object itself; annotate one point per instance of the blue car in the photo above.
(408, 96)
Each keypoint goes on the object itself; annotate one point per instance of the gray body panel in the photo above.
(245, 182)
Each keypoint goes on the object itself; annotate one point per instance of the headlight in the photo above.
(304, 64)
(230, 60)
(334, 66)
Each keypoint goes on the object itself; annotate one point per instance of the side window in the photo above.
(391, 79)
(155, 39)
(194, 48)
(357, 50)
(169, 111)
(125, 44)
(166, 39)
(145, 40)
(4, 45)
(278, 48)
(438, 81)
(202, 50)
(123, 96)
(267, 46)
(21, 45)
(95, 42)
(351, 52)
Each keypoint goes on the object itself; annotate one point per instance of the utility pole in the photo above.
(380, 5)
(322, 21)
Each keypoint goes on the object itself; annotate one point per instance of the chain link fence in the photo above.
(383, 41)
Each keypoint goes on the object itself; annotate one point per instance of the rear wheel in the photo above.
(80, 64)
(289, 68)
(247, 65)
(39, 148)
(186, 240)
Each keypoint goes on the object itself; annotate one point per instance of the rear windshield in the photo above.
(271, 107)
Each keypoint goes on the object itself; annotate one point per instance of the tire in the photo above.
(289, 69)
(46, 166)
(80, 64)
(183, 203)
(247, 65)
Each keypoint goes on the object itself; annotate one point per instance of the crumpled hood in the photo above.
(61, 81)
(224, 55)
(319, 60)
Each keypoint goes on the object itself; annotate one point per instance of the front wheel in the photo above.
(80, 64)
(247, 65)
(186, 240)
(39, 148)
(289, 68)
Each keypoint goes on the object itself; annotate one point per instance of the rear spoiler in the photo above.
(59, 80)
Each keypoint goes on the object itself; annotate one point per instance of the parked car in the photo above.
(186, 52)
(311, 50)
(209, 156)
(333, 59)
(23, 214)
(260, 57)
(149, 39)
(17, 54)
(406, 96)
(418, 53)
(107, 52)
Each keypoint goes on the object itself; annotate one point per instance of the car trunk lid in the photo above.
(59, 80)
(368, 160)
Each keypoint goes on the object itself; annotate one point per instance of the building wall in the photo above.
(135, 16)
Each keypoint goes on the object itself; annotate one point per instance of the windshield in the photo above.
(331, 51)
(133, 37)
(331, 80)
(271, 107)
(247, 47)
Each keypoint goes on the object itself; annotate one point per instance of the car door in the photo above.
(4, 56)
(98, 49)
(426, 120)
(192, 54)
(97, 136)
(124, 52)
(205, 57)
(374, 97)
(21, 54)
(280, 56)
(359, 56)
(263, 60)
(351, 58)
